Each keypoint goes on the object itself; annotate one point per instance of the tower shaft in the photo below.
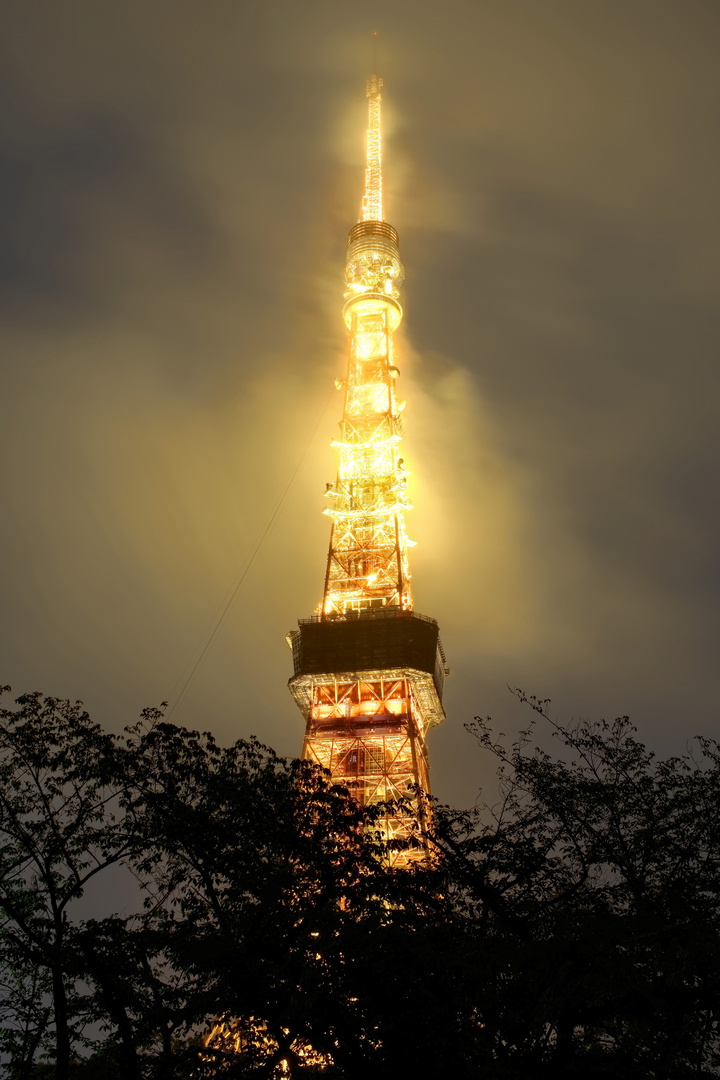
(369, 672)
(367, 563)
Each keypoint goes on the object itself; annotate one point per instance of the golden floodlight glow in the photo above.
(369, 672)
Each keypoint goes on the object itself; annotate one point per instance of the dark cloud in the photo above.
(176, 184)
(69, 184)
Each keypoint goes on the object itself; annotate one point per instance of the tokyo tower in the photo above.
(368, 670)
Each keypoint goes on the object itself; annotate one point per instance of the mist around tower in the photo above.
(197, 251)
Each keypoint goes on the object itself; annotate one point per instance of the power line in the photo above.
(210, 635)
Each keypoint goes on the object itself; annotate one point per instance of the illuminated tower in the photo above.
(369, 672)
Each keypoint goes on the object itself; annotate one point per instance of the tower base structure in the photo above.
(369, 684)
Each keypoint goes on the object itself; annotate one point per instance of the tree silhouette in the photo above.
(569, 928)
(590, 894)
(60, 826)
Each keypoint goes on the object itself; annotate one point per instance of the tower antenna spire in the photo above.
(372, 204)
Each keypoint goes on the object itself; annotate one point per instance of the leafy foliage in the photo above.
(58, 829)
(571, 929)
(592, 891)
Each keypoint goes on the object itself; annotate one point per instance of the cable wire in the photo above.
(223, 611)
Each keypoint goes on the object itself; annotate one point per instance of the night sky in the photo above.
(176, 185)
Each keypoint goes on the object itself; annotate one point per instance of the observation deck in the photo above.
(385, 642)
(373, 271)
(369, 242)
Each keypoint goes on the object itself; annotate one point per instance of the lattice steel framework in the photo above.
(370, 691)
